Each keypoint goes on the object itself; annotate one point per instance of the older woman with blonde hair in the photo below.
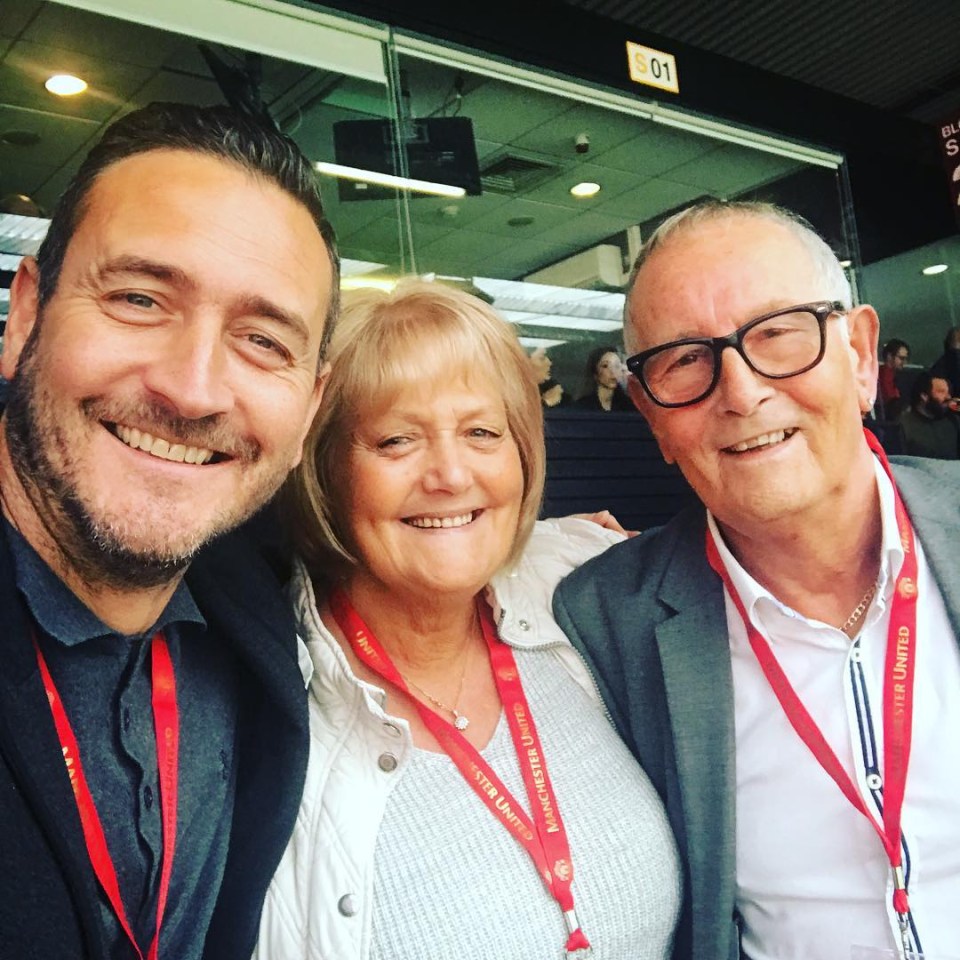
(466, 795)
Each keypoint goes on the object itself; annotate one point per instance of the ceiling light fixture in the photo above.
(933, 269)
(525, 318)
(362, 282)
(65, 85)
(531, 343)
(389, 180)
(584, 190)
(20, 138)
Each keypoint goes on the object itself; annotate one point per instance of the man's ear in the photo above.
(650, 411)
(864, 327)
(313, 406)
(637, 394)
(24, 306)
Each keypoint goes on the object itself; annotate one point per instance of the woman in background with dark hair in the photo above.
(602, 378)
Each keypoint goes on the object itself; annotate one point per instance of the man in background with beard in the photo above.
(164, 353)
(929, 428)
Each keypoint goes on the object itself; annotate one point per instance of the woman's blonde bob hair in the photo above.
(384, 343)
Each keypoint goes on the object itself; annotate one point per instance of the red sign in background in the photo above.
(950, 146)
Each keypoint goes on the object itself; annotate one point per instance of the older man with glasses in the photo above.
(772, 656)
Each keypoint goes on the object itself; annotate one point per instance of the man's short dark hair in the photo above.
(892, 347)
(217, 131)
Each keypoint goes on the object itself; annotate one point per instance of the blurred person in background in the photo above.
(551, 391)
(603, 375)
(930, 428)
(896, 353)
(948, 365)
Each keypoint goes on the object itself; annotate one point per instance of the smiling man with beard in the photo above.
(773, 655)
(165, 357)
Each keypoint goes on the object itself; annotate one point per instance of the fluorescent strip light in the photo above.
(531, 343)
(351, 268)
(362, 283)
(745, 138)
(559, 321)
(389, 180)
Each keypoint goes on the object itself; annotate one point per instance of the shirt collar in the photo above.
(61, 614)
(891, 557)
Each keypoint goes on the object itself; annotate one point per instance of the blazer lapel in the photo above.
(695, 656)
(31, 750)
(934, 514)
(257, 622)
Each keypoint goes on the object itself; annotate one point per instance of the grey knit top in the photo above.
(452, 884)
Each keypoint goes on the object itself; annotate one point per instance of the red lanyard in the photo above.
(897, 694)
(166, 721)
(545, 837)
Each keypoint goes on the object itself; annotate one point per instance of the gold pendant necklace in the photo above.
(460, 721)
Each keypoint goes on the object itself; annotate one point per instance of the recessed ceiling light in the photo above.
(65, 85)
(585, 189)
(933, 269)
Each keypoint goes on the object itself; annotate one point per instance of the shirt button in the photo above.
(524, 625)
(387, 762)
(392, 729)
(347, 905)
(874, 781)
(148, 797)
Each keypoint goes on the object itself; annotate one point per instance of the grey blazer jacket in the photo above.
(648, 617)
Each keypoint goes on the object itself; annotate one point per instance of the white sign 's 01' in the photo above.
(652, 67)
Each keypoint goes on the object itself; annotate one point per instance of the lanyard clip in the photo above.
(900, 902)
(577, 943)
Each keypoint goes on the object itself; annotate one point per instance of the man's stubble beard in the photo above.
(100, 549)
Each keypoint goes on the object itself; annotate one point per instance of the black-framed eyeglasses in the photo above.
(777, 345)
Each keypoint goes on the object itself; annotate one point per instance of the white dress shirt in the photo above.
(813, 879)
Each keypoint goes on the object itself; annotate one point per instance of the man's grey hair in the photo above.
(833, 280)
